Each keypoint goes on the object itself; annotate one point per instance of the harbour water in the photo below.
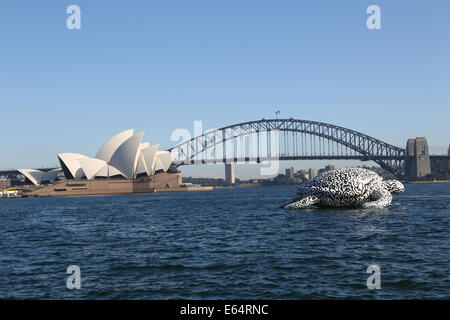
(224, 244)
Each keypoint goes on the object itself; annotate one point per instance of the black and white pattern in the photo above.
(350, 187)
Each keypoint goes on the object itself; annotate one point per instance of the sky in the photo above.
(161, 65)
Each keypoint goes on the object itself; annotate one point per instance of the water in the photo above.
(224, 244)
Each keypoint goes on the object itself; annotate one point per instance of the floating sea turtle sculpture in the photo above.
(350, 187)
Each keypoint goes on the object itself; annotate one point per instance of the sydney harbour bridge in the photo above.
(268, 140)
(288, 139)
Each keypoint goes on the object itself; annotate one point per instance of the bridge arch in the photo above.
(294, 134)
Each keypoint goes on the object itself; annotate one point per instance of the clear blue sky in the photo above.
(160, 65)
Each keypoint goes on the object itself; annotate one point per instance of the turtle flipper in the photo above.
(299, 203)
(380, 198)
(393, 186)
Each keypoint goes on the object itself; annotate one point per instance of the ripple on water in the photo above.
(224, 244)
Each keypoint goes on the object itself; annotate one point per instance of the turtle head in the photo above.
(394, 186)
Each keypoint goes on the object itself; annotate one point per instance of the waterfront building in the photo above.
(312, 172)
(9, 194)
(230, 176)
(440, 167)
(5, 183)
(123, 156)
(290, 172)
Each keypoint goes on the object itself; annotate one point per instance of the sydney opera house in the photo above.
(124, 164)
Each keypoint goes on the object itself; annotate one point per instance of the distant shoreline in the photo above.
(431, 181)
(245, 186)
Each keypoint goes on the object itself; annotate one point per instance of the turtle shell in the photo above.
(342, 187)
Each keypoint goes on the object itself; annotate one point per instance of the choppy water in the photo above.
(224, 244)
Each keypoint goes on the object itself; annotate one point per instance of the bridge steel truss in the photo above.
(297, 140)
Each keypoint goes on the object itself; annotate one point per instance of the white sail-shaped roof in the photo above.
(141, 165)
(109, 171)
(124, 154)
(35, 176)
(50, 175)
(71, 161)
(163, 160)
(92, 166)
(140, 168)
(124, 158)
(110, 147)
(149, 158)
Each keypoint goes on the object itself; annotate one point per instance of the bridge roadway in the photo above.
(262, 159)
(318, 157)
